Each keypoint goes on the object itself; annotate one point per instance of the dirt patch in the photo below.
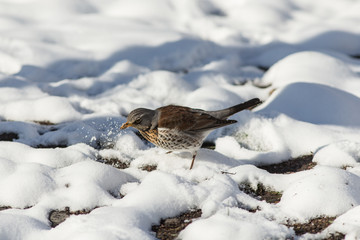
(8, 136)
(4, 208)
(123, 164)
(291, 166)
(56, 217)
(45, 123)
(51, 146)
(149, 168)
(115, 162)
(335, 236)
(314, 226)
(261, 193)
(170, 228)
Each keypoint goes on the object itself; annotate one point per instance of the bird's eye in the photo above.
(137, 121)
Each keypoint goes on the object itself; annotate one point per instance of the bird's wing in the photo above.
(188, 119)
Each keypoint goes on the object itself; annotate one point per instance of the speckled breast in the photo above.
(174, 140)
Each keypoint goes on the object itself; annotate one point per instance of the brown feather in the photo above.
(188, 119)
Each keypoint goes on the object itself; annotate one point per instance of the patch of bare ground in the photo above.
(261, 193)
(56, 217)
(335, 236)
(8, 136)
(4, 208)
(45, 123)
(115, 162)
(123, 164)
(170, 228)
(314, 226)
(11, 136)
(149, 168)
(291, 166)
(52, 146)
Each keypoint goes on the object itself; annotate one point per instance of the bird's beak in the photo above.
(125, 125)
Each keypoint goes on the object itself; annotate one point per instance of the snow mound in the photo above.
(308, 197)
(239, 224)
(314, 103)
(46, 109)
(335, 40)
(54, 158)
(308, 66)
(339, 154)
(56, 177)
(8, 64)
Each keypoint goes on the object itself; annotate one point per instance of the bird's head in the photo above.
(142, 119)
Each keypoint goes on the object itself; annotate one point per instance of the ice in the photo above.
(71, 71)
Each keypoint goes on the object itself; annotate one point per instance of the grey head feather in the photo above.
(142, 118)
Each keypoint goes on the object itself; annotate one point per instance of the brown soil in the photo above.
(261, 193)
(52, 146)
(149, 168)
(293, 165)
(116, 163)
(316, 225)
(4, 207)
(8, 136)
(170, 228)
(56, 217)
(45, 123)
(122, 164)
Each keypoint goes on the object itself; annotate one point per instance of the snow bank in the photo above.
(308, 197)
(339, 154)
(235, 223)
(262, 140)
(55, 158)
(46, 109)
(28, 174)
(314, 103)
(31, 176)
(313, 67)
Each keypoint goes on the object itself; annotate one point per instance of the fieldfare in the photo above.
(178, 128)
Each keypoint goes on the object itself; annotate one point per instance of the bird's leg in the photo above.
(193, 159)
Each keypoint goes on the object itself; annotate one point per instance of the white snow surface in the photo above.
(70, 72)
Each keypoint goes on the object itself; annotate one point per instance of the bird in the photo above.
(179, 128)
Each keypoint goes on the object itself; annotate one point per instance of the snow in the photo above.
(321, 184)
(314, 103)
(312, 67)
(71, 71)
(238, 224)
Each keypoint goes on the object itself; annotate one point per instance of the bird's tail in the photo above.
(225, 113)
